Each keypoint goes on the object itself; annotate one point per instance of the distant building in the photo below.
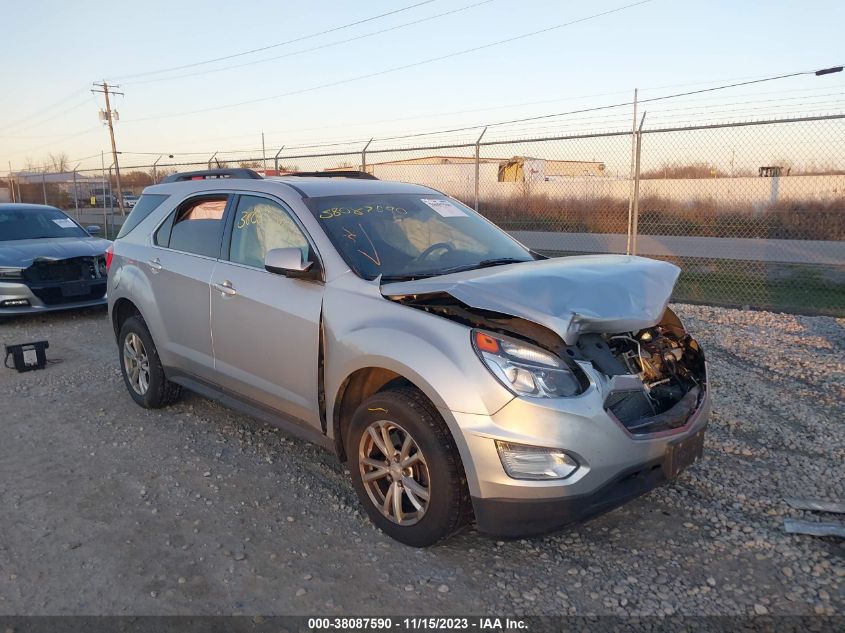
(440, 170)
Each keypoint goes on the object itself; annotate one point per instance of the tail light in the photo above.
(109, 256)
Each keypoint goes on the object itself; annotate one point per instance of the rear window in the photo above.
(146, 204)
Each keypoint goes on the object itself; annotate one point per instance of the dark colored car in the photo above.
(48, 261)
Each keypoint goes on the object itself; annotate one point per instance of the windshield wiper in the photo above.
(484, 263)
(407, 277)
(501, 261)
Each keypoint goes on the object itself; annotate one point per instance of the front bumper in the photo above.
(615, 466)
(48, 297)
(532, 517)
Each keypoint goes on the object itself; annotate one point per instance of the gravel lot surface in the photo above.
(111, 509)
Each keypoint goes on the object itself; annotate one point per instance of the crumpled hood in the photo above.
(569, 295)
(21, 253)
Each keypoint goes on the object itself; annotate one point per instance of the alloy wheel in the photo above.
(136, 363)
(394, 472)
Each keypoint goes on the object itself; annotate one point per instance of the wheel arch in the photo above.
(357, 387)
(122, 310)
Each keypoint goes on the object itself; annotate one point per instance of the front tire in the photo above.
(143, 374)
(406, 468)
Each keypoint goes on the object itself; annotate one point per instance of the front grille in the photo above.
(629, 406)
(636, 414)
(73, 269)
(53, 295)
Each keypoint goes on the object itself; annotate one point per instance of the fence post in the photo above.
(276, 159)
(478, 164)
(212, 158)
(12, 184)
(155, 172)
(110, 221)
(44, 185)
(105, 219)
(632, 175)
(364, 156)
(636, 214)
(75, 195)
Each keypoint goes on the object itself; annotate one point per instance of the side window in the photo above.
(195, 227)
(261, 225)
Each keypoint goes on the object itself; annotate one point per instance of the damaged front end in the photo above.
(661, 377)
(652, 380)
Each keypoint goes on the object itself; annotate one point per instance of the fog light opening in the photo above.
(14, 303)
(521, 461)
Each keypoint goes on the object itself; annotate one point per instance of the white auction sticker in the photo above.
(444, 208)
(65, 223)
(30, 357)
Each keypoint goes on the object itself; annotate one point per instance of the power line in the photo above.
(57, 115)
(278, 44)
(559, 114)
(38, 113)
(607, 107)
(349, 124)
(316, 48)
(403, 67)
(60, 138)
(616, 117)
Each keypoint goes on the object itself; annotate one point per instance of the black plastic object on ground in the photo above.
(27, 356)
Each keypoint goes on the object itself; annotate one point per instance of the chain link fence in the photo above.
(753, 212)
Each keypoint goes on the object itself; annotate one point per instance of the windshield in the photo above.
(402, 236)
(29, 224)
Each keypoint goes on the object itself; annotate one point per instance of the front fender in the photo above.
(432, 352)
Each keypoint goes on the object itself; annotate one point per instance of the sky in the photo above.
(382, 77)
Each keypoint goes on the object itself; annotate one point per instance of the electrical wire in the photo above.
(278, 44)
(314, 48)
(397, 68)
(38, 113)
(40, 122)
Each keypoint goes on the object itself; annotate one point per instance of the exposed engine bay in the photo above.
(656, 376)
(670, 365)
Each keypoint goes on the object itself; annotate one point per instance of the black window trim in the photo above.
(170, 217)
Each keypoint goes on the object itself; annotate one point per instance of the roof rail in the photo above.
(213, 173)
(338, 173)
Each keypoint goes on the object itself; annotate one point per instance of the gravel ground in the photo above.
(111, 509)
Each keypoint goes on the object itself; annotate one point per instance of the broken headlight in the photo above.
(526, 369)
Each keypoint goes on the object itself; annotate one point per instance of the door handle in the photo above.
(225, 288)
(155, 265)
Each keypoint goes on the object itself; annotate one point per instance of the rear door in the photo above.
(266, 327)
(185, 250)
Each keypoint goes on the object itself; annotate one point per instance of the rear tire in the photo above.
(417, 493)
(141, 367)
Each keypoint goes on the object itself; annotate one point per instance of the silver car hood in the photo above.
(569, 295)
(21, 253)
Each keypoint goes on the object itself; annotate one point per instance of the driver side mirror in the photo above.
(93, 229)
(290, 263)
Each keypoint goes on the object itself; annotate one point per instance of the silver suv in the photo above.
(457, 373)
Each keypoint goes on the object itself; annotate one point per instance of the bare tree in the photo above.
(250, 164)
(31, 165)
(58, 162)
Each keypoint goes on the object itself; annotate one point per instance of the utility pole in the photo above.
(109, 117)
(12, 184)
